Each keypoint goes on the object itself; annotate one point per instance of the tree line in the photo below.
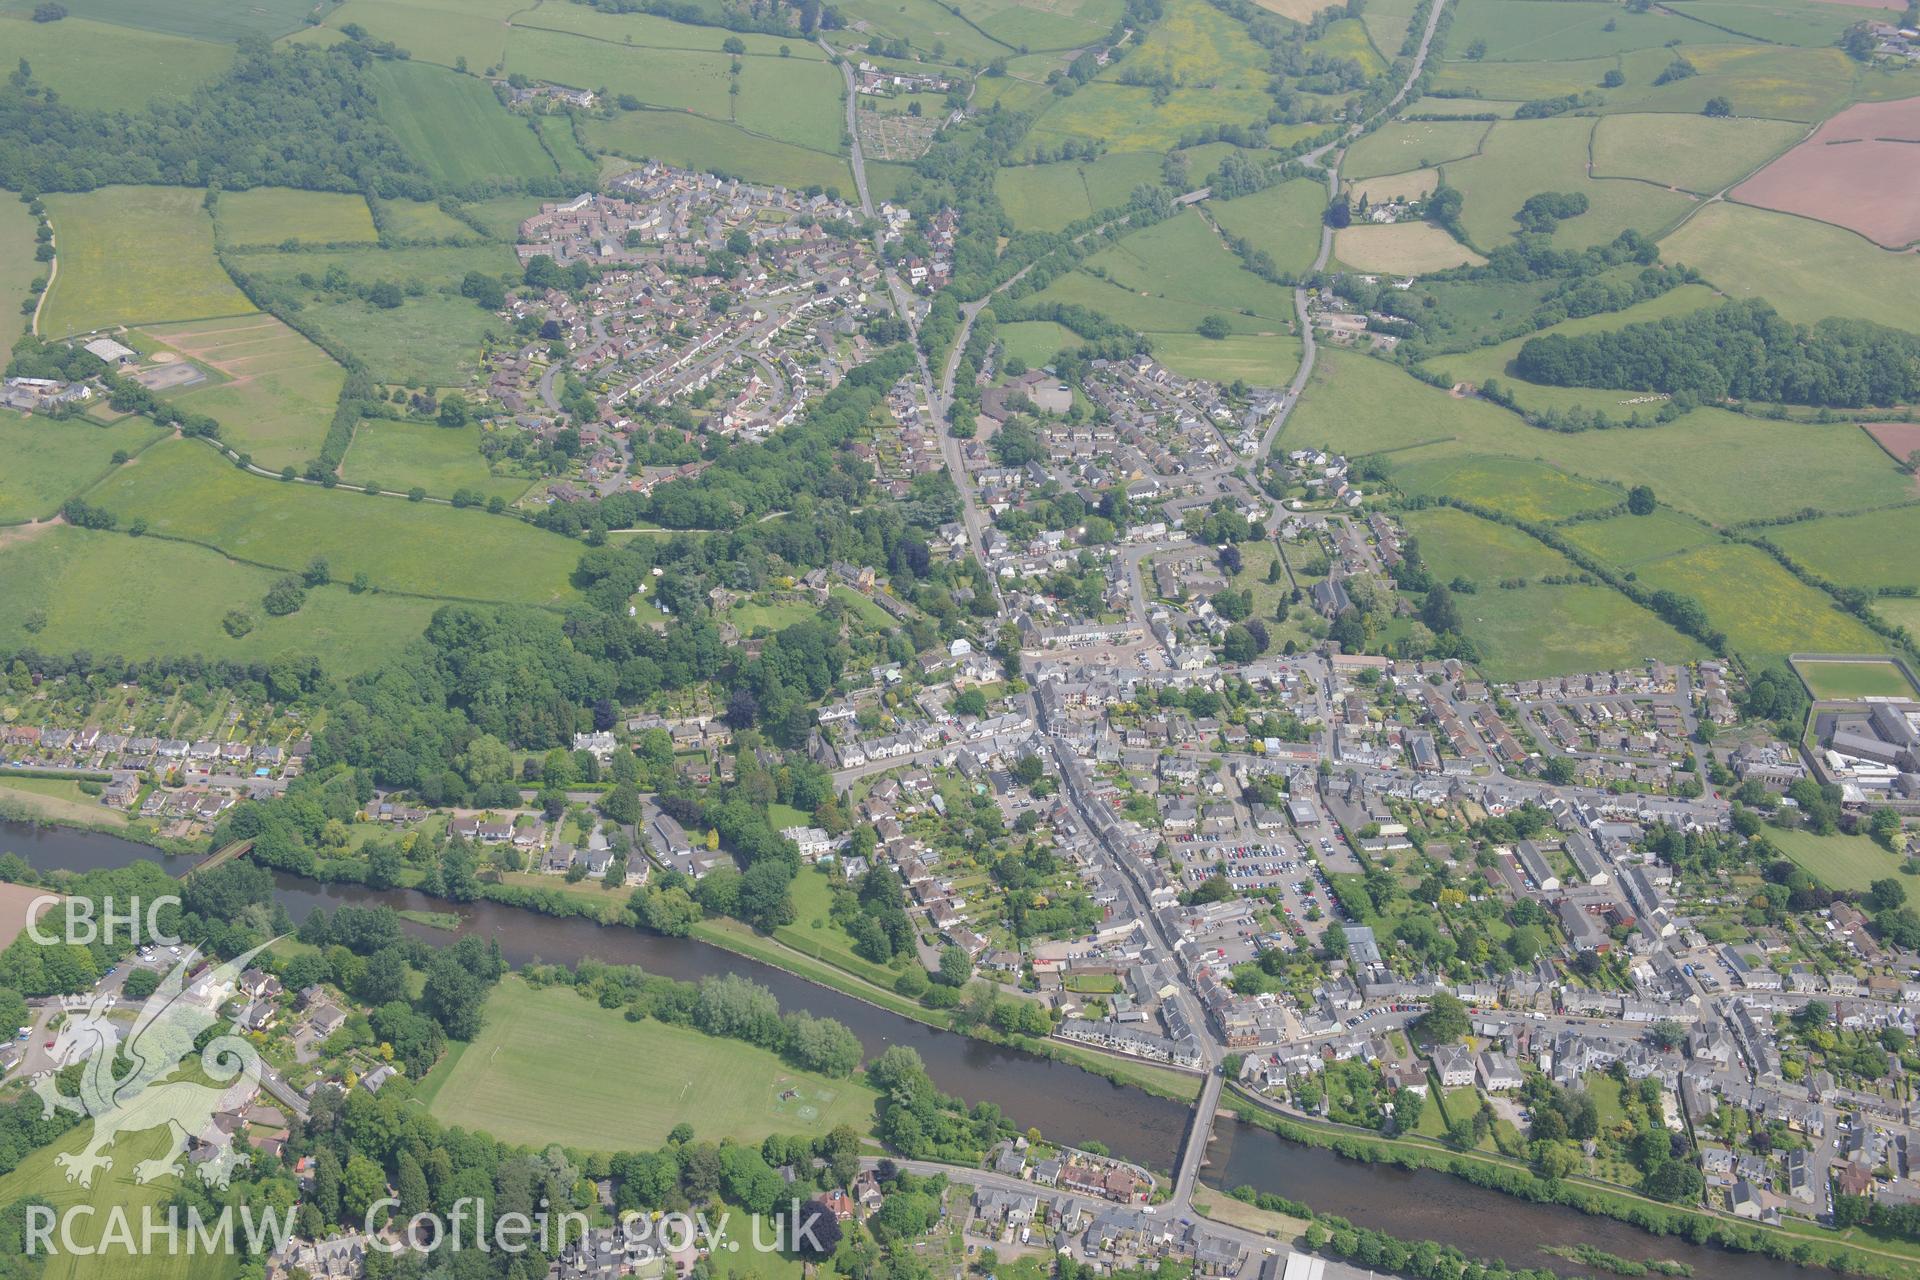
(1742, 350)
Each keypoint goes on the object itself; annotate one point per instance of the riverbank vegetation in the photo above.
(1511, 1177)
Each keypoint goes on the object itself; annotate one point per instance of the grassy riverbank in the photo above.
(731, 935)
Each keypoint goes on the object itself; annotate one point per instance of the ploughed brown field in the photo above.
(1859, 170)
(1900, 439)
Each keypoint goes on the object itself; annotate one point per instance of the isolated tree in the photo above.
(1640, 500)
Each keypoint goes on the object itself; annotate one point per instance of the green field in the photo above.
(400, 455)
(1812, 26)
(1771, 81)
(1126, 118)
(1765, 611)
(798, 100)
(1456, 544)
(1629, 541)
(101, 67)
(421, 220)
(1807, 270)
(43, 462)
(1900, 612)
(454, 128)
(1167, 277)
(1521, 158)
(1848, 863)
(1874, 549)
(1487, 363)
(217, 20)
(1347, 38)
(274, 215)
(1398, 147)
(1043, 24)
(1526, 30)
(183, 489)
(1537, 630)
(1841, 681)
(120, 1258)
(1694, 153)
(925, 24)
(273, 392)
(151, 598)
(434, 337)
(1284, 221)
(436, 31)
(1720, 466)
(1037, 341)
(1046, 197)
(677, 138)
(18, 268)
(502, 215)
(813, 931)
(135, 255)
(550, 1067)
(1518, 486)
(1262, 360)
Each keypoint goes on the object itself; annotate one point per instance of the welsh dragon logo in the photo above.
(141, 1097)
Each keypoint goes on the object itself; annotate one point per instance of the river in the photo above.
(1065, 1102)
(1422, 1204)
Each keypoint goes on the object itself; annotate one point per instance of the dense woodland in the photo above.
(286, 117)
(1742, 350)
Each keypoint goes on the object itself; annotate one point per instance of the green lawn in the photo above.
(1843, 680)
(43, 463)
(1455, 544)
(273, 215)
(1125, 118)
(1765, 611)
(183, 489)
(272, 391)
(434, 31)
(675, 137)
(1043, 24)
(1848, 863)
(151, 598)
(453, 126)
(135, 255)
(98, 66)
(550, 1067)
(1283, 221)
(1037, 341)
(400, 455)
(57, 799)
(771, 614)
(813, 931)
(1875, 549)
